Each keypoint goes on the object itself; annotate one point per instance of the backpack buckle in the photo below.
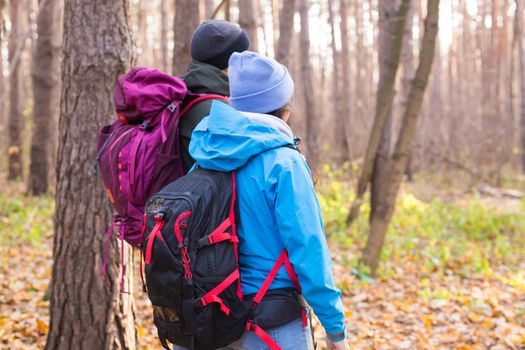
(250, 325)
(145, 125)
(203, 242)
(159, 216)
(172, 107)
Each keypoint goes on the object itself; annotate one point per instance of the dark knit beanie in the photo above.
(214, 41)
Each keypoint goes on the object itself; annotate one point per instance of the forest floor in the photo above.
(459, 290)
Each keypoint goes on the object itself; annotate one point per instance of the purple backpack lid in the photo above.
(143, 93)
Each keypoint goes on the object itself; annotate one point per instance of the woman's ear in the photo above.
(285, 115)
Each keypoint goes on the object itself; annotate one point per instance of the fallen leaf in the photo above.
(42, 327)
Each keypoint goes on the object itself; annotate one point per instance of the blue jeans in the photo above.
(291, 336)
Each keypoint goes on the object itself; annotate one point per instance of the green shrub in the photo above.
(25, 218)
(467, 235)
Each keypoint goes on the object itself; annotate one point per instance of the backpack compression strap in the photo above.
(250, 325)
(220, 235)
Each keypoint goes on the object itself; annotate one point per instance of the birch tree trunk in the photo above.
(248, 22)
(385, 96)
(84, 313)
(396, 165)
(15, 122)
(46, 80)
(186, 21)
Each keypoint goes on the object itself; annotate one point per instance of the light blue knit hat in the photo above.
(258, 84)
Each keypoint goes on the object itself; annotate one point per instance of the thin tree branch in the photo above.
(217, 9)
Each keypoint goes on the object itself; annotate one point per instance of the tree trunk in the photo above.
(186, 20)
(286, 18)
(396, 165)
(275, 22)
(312, 124)
(338, 129)
(209, 7)
(248, 22)
(2, 82)
(164, 34)
(85, 314)
(387, 27)
(407, 63)
(521, 58)
(511, 108)
(15, 121)
(345, 86)
(46, 77)
(385, 96)
(361, 79)
(227, 10)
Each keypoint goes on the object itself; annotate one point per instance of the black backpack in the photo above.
(190, 248)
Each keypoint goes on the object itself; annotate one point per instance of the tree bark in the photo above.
(361, 81)
(312, 124)
(2, 83)
(510, 101)
(15, 121)
(46, 78)
(385, 96)
(84, 314)
(407, 63)
(345, 86)
(164, 34)
(521, 57)
(387, 27)
(248, 22)
(286, 18)
(186, 20)
(209, 7)
(396, 165)
(227, 10)
(275, 22)
(338, 129)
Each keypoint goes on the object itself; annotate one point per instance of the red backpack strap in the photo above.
(269, 279)
(201, 98)
(250, 325)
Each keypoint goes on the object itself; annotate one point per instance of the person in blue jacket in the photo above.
(278, 207)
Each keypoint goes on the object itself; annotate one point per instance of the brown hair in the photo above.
(279, 112)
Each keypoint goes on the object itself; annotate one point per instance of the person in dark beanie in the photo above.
(212, 44)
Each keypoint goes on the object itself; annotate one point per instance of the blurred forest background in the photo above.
(383, 101)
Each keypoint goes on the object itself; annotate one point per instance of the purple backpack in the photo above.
(140, 152)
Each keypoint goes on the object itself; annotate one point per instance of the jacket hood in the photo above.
(205, 78)
(227, 139)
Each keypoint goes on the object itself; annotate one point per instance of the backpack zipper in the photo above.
(101, 151)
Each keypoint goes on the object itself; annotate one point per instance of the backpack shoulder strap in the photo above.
(251, 325)
(200, 98)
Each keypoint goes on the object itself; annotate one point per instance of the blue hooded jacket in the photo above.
(278, 207)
